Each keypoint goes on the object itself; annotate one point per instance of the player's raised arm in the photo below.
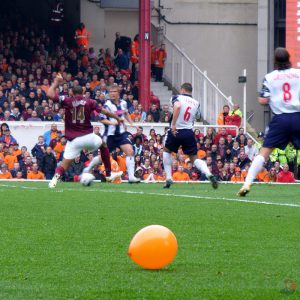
(51, 93)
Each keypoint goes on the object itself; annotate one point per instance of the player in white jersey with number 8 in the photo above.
(281, 90)
(185, 111)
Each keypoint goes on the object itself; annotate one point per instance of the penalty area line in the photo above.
(155, 194)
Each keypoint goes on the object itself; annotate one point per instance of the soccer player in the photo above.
(78, 127)
(116, 134)
(104, 153)
(281, 90)
(185, 111)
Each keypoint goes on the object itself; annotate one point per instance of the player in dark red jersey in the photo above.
(78, 127)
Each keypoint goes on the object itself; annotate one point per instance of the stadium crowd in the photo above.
(30, 60)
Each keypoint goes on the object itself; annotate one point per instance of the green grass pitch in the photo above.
(71, 243)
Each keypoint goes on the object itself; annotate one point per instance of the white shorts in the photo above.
(90, 141)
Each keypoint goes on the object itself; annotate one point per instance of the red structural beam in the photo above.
(144, 67)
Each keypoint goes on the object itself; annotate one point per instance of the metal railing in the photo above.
(179, 68)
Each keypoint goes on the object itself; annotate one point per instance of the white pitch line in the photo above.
(157, 194)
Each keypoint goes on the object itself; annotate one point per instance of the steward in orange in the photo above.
(134, 57)
(160, 58)
(82, 36)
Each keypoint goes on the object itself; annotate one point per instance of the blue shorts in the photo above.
(283, 129)
(117, 140)
(184, 138)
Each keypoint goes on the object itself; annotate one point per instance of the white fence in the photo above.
(26, 133)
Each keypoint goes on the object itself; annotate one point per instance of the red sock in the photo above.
(60, 170)
(106, 160)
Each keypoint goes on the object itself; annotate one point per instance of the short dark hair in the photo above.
(77, 90)
(282, 59)
(187, 86)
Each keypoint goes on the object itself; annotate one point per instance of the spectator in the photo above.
(122, 42)
(7, 138)
(160, 58)
(35, 173)
(222, 133)
(7, 116)
(26, 165)
(58, 117)
(272, 175)
(48, 163)
(34, 117)
(138, 147)
(4, 173)
(39, 149)
(134, 57)
(235, 151)
(243, 160)
(285, 175)
(140, 134)
(75, 170)
(82, 36)
(242, 140)
(50, 134)
(180, 175)
(250, 150)
(9, 158)
(154, 112)
(234, 118)
(263, 175)
(59, 148)
(165, 113)
(15, 170)
(223, 115)
(237, 177)
(277, 167)
(121, 60)
(223, 175)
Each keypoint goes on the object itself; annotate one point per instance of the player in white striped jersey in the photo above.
(185, 111)
(281, 90)
(117, 135)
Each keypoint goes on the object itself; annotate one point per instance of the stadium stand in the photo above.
(30, 59)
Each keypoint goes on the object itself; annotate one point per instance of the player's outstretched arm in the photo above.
(52, 89)
(111, 115)
(108, 122)
(128, 118)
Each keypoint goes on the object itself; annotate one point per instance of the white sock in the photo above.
(202, 167)
(167, 161)
(130, 166)
(255, 168)
(95, 161)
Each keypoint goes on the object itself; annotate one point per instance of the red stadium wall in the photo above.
(293, 31)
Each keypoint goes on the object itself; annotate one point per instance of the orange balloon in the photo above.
(153, 247)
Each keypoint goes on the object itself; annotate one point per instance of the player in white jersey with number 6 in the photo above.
(185, 111)
(281, 90)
